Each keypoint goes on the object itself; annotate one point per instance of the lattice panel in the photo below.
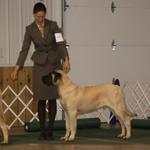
(138, 98)
(24, 99)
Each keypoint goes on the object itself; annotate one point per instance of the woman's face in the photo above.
(39, 16)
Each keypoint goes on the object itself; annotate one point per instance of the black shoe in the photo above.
(42, 136)
(49, 135)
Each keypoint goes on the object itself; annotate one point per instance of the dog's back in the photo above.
(90, 98)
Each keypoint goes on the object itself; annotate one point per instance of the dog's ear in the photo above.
(47, 79)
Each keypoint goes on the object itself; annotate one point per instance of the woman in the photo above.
(50, 51)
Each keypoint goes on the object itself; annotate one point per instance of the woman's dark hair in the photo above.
(39, 7)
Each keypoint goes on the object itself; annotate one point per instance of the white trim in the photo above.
(57, 11)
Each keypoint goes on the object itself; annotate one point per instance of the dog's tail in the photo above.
(131, 114)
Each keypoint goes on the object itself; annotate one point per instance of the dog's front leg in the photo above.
(67, 127)
(73, 124)
(5, 133)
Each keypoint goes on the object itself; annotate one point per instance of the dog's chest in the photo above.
(62, 102)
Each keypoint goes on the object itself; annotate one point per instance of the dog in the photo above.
(3, 125)
(76, 100)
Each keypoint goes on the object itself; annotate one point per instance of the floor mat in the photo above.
(86, 136)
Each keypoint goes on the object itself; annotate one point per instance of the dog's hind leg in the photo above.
(123, 130)
(121, 115)
(67, 134)
(127, 123)
(4, 132)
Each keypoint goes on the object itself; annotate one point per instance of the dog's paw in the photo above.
(3, 143)
(71, 139)
(63, 138)
(67, 139)
(126, 137)
(120, 135)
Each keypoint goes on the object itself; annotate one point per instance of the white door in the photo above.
(90, 27)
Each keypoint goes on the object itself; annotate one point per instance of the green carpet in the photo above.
(85, 123)
(86, 136)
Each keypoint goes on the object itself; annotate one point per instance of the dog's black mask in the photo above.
(51, 78)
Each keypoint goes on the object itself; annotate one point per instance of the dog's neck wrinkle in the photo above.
(66, 80)
(65, 83)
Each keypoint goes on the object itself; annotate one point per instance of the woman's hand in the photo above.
(14, 74)
(66, 65)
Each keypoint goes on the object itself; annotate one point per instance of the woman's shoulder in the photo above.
(53, 24)
(30, 26)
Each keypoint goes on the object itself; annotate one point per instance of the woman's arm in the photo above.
(25, 48)
(62, 46)
(22, 55)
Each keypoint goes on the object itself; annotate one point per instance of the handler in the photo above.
(50, 53)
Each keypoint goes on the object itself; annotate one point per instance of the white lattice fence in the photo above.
(17, 97)
(137, 99)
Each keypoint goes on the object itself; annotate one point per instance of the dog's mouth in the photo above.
(51, 79)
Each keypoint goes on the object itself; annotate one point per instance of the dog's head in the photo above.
(52, 78)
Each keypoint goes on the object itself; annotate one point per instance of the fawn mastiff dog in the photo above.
(3, 125)
(76, 99)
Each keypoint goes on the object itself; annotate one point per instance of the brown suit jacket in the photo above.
(45, 48)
